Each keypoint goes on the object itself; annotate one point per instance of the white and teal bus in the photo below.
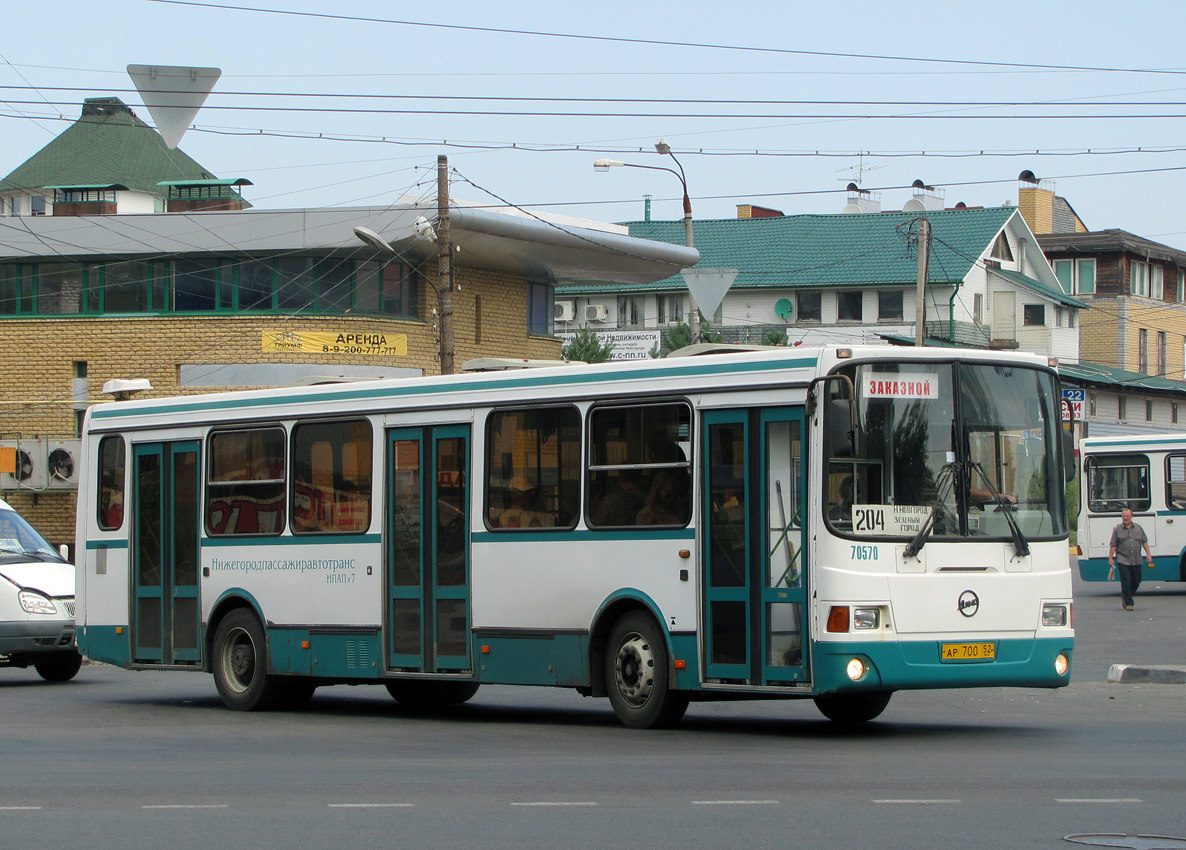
(827, 523)
(1147, 474)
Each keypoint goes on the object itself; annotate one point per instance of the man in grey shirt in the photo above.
(1125, 550)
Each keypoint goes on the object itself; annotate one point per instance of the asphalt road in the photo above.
(121, 759)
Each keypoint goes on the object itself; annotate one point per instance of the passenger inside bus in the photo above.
(524, 510)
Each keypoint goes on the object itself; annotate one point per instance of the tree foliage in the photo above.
(586, 346)
(679, 335)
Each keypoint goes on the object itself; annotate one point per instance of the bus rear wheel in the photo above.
(853, 708)
(240, 664)
(637, 675)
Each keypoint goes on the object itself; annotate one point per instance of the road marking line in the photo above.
(735, 802)
(916, 802)
(547, 803)
(371, 805)
(1100, 800)
(178, 806)
(20, 808)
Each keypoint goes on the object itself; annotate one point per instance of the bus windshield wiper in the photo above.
(1020, 544)
(942, 489)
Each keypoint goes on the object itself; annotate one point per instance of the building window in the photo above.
(1034, 315)
(978, 308)
(1181, 293)
(630, 311)
(1157, 282)
(1001, 250)
(59, 288)
(849, 306)
(1148, 410)
(16, 289)
(671, 309)
(540, 308)
(1174, 413)
(1143, 351)
(889, 305)
(809, 307)
(1091, 405)
(38, 206)
(1138, 278)
(1121, 408)
(1160, 354)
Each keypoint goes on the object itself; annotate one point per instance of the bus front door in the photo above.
(165, 532)
(755, 591)
(428, 550)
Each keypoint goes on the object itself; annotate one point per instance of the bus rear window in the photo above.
(245, 486)
(1116, 482)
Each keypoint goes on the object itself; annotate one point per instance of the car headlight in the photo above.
(34, 603)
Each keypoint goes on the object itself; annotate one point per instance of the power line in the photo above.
(659, 43)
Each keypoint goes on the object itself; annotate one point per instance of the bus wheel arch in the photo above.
(606, 618)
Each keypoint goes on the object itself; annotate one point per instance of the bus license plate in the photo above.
(969, 651)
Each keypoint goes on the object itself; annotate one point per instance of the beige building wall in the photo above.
(39, 355)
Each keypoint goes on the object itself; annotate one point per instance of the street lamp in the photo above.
(663, 148)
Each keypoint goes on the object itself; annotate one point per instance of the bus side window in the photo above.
(245, 483)
(111, 483)
(533, 468)
(331, 472)
(1116, 482)
(1175, 482)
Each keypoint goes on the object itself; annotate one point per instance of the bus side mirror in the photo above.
(1068, 455)
(842, 439)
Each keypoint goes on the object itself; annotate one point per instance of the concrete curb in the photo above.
(1133, 674)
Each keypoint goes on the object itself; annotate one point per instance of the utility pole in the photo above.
(924, 261)
(444, 267)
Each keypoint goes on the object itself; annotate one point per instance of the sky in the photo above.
(777, 104)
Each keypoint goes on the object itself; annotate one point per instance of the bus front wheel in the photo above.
(240, 663)
(637, 675)
(853, 708)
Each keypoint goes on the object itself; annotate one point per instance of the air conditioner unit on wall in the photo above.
(61, 464)
(30, 468)
(596, 313)
(562, 311)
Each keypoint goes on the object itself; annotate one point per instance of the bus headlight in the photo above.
(855, 669)
(34, 603)
(866, 618)
(1062, 664)
(1054, 614)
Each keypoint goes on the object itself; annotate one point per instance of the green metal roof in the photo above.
(225, 181)
(107, 144)
(1041, 288)
(829, 250)
(78, 187)
(1110, 376)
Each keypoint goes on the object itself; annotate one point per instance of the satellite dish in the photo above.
(784, 309)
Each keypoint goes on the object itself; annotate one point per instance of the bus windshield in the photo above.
(949, 450)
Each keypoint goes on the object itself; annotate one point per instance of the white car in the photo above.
(36, 602)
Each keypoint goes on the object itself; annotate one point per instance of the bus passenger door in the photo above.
(755, 592)
(428, 550)
(165, 535)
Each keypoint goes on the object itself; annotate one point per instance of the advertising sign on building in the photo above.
(628, 345)
(371, 344)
